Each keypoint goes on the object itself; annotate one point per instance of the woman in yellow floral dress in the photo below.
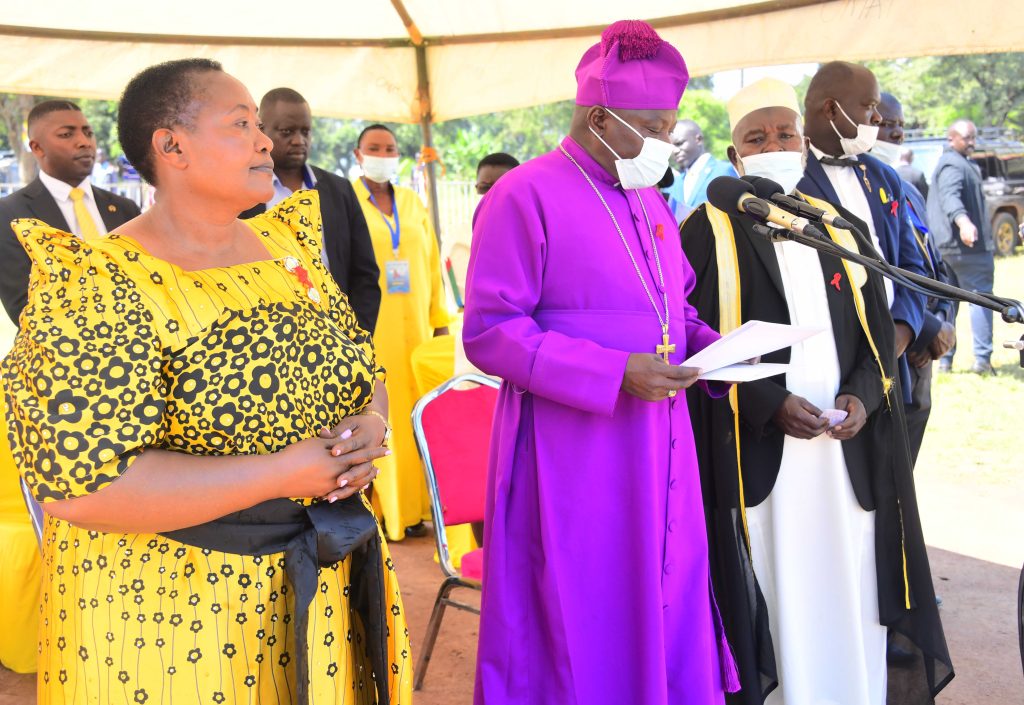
(179, 371)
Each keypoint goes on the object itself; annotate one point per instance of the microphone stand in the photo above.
(1011, 311)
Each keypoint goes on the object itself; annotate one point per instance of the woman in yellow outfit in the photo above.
(172, 386)
(412, 308)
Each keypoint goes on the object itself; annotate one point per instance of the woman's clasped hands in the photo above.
(338, 462)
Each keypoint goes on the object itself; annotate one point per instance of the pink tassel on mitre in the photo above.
(636, 39)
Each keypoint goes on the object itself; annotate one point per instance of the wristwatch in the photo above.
(387, 427)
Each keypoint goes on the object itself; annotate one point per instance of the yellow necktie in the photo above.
(86, 225)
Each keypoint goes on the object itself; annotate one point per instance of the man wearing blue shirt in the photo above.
(696, 169)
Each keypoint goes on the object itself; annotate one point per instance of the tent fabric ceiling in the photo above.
(357, 59)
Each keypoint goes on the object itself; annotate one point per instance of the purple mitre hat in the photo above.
(631, 68)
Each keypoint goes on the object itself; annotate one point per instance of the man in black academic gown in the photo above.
(938, 332)
(827, 512)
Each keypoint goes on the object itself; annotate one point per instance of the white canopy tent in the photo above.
(423, 61)
(403, 60)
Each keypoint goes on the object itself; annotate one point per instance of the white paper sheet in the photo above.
(743, 372)
(752, 339)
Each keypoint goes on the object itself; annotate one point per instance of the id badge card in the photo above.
(397, 273)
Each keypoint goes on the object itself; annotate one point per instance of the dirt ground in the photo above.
(978, 613)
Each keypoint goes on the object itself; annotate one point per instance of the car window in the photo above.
(926, 156)
(989, 163)
(1014, 165)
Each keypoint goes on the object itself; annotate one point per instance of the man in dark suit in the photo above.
(938, 333)
(956, 212)
(347, 248)
(842, 121)
(813, 522)
(910, 173)
(63, 144)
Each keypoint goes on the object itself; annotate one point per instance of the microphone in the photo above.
(771, 191)
(736, 196)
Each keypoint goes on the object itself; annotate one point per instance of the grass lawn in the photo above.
(975, 427)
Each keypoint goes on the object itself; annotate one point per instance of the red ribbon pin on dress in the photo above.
(895, 206)
(659, 231)
(836, 279)
(302, 274)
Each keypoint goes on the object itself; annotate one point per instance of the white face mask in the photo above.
(864, 141)
(887, 152)
(645, 169)
(379, 169)
(784, 168)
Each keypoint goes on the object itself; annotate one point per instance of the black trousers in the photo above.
(920, 407)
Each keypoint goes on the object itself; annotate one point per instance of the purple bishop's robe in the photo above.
(596, 586)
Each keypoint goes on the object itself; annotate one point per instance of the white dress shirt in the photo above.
(61, 193)
(846, 182)
(282, 192)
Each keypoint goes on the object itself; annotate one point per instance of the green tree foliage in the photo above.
(936, 90)
(709, 112)
(333, 142)
(524, 133)
(102, 115)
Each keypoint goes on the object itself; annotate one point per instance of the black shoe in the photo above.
(984, 369)
(416, 531)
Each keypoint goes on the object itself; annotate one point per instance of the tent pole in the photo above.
(426, 111)
(426, 118)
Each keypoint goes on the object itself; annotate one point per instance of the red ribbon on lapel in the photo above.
(836, 279)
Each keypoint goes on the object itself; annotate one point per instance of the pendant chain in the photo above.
(657, 260)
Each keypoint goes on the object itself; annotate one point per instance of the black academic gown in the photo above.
(877, 459)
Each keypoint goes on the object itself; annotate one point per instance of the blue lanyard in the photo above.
(396, 230)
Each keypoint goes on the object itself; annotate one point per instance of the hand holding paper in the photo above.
(724, 360)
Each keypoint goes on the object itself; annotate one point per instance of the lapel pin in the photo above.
(836, 279)
(112, 208)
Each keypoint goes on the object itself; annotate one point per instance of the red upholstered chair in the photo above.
(452, 425)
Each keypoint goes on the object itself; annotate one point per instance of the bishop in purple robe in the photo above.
(596, 578)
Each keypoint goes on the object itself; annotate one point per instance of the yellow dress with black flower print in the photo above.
(120, 351)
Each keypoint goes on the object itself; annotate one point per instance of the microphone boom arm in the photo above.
(1011, 311)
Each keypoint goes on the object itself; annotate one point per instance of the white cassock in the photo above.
(812, 545)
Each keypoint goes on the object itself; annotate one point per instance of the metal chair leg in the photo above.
(433, 627)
